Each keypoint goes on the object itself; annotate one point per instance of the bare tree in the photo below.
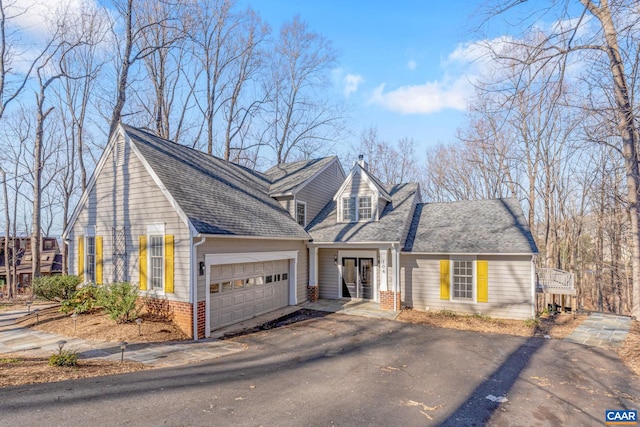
(595, 41)
(298, 113)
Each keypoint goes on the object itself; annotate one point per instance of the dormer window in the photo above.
(364, 208)
(356, 208)
(349, 209)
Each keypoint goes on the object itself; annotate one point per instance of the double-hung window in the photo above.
(463, 280)
(364, 208)
(348, 209)
(301, 213)
(156, 258)
(90, 262)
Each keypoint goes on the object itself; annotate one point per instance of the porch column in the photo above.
(382, 262)
(313, 291)
(390, 298)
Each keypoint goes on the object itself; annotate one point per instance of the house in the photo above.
(21, 257)
(220, 243)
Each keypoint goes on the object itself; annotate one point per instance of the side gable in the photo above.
(116, 149)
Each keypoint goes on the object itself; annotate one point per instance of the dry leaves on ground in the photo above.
(630, 350)
(98, 326)
(558, 326)
(18, 369)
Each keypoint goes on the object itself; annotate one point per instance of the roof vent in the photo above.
(364, 165)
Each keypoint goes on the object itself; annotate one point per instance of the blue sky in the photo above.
(405, 46)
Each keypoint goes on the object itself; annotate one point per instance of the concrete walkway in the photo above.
(601, 330)
(364, 308)
(14, 338)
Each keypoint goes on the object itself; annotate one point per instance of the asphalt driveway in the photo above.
(347, 370)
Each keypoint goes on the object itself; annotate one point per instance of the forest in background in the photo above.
(553, 122)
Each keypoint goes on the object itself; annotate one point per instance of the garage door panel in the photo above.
(243, 291)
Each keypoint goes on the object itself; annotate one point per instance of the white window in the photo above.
(90, 259)
(462, 280)
(156, 255)
(364, 208)
(348, 209)
(301, 213)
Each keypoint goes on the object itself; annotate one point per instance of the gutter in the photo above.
(193, 292)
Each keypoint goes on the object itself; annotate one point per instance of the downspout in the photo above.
(194, 283)
(533, 286)
(396, 273)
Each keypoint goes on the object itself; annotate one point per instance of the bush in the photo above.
(83, 300)
(120, 301)
(55, 288)
(64, 358)
(532, 322)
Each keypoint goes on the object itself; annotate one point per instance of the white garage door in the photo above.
(242, 291)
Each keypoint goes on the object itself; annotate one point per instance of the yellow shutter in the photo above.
(142, 261)
(168, 263)
(99, 260)
(81, 257)
(483, 281)
(444, 279)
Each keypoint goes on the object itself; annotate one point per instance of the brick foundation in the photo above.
(386, 300)
(313, 293)
(202, 318)
(180, 313)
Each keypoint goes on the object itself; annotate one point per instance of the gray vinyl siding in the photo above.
(221, 245)
(356, 185)
(328, 275)
(287, 203)
(320, 191)
(126, 196)
(509, 286)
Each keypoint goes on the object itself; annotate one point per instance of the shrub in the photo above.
(82, 301)
(120, 301)
(64, 358)
(447, 313)
(55, 288)
(532, 322)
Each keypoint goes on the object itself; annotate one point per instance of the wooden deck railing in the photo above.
(552, 280)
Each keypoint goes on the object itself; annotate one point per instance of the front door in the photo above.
(357, 278)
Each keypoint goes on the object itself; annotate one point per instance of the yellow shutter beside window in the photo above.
(99, 260)
(483, 281)
(168, 263)
(81, 257)
(142, 262)
(444, 279)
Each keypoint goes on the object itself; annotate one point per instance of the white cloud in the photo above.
(426, 98)
(461, 69)
(351, 83)
(412, 65)
(33, 16)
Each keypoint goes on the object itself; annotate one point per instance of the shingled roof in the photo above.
(481, 226)
(389, 228)
(218, 197)
(285, 178)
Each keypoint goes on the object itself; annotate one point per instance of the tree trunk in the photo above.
(627, 132)
(7, 265)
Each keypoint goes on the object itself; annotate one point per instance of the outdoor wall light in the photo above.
(74, 317)
(139, 321)
(201, 268)
(335, 259)
(123, 346)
